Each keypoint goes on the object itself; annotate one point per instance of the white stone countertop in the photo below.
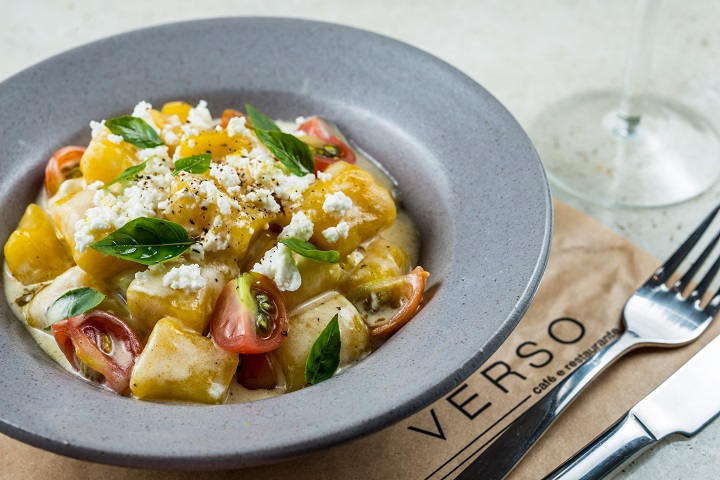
(528, 53)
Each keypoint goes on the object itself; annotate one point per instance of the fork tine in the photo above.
(702, 287)
(669, 267)
(687, 278)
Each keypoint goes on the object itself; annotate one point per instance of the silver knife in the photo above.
(684, 404)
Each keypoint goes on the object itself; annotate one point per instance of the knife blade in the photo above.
(685, 403)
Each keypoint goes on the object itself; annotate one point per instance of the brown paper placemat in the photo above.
(590, 274)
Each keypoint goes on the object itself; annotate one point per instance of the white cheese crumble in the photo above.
(213, 196)
(116, 139)
(337, 204)
(333, 234)
(200, 117)
(185, 277)
(237, 126)
(300, 227)
(279, 265)
(96, 128)
(170, 137)
(142, 111)
(324, 177)
(226, 175)
(262, 197)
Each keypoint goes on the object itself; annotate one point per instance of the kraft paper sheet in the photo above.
(577, 309)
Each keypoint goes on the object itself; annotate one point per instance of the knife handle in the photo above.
(608, 453)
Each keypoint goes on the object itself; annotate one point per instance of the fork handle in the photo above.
(505, 452)
(608, 453)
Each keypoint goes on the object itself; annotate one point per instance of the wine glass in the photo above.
(629, 149)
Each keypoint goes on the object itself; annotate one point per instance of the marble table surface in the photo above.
(528, 53)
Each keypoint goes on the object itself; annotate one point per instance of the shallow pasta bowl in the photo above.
(468, 174)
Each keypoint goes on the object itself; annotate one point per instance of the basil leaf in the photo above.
(73, 303)
(308, 250)
(324, 357)
(196, 164)
(127, 174)
(290, 150)
(146, 240)
(135, 131)
(259, 120)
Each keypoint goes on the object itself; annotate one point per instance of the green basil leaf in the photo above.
(259, 120)
(308, 250)
(135, 131)
(127, 174)
(196, 164)
(324, 357)
(73, 303)
(146, 240)
(290, 150)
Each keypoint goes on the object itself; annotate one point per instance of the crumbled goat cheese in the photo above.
(226, 175)
(215, 241)
(142, 111)
(96, 128)
(263, 198)
(191, 143)
(269, 174)
(196, 252)
(237, 126)
(188, 131)
(300, 227)
(279, 265)
(333, 234)
(147, 153)
(170, 137)
(213, 196)
(116, 139)
(337, 204)
(185, 277)
(200, 117)
(325, 177)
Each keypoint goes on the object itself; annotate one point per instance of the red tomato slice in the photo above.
(249, 316)
(102, 343)
(389, 303)
(64, 164)
(228, 114)
(257, 372)
(324, 143)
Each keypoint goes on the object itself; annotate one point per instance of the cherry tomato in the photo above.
(249, 316)
(389, 303)
(325, 145)
(228, 114)
(64, 164)
(100, 346)
(257, 372)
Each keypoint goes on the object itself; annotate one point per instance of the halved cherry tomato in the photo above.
(257, 372)
(387, 304)
(249, 316)
(64, 164)
(228, 114)
(324, 143)
(100, 346)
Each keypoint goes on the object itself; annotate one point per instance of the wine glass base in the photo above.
(672, 155)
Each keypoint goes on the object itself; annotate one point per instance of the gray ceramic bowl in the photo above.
(469, 177)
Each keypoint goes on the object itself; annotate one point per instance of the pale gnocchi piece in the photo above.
(305, 327)
(150, 299)
(181, 365)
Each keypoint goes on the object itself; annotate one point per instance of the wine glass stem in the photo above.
(637, 70)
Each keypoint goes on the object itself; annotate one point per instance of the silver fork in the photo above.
(655, 315)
